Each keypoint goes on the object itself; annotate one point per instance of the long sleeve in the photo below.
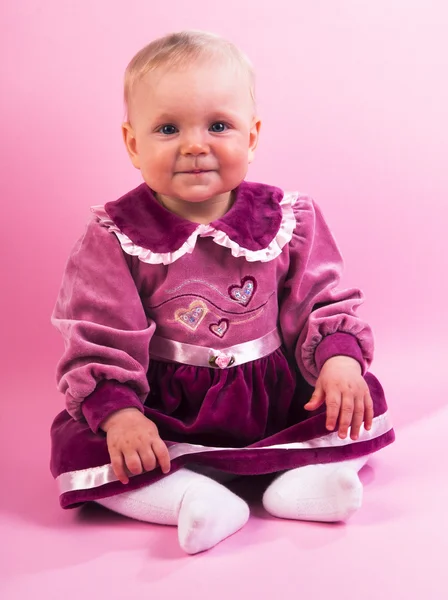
(317, 319)
(105, 330)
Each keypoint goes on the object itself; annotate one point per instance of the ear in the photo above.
(253, 138)
(130, 142)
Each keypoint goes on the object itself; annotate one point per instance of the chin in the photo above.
(197, 199)
(198, 196)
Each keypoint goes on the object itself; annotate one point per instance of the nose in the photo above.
(194, 144)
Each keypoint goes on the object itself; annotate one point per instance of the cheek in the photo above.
(235, 152)
(158, 158)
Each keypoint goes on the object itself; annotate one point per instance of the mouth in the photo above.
(195, 171)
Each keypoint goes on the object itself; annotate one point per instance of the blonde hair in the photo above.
(179, 49)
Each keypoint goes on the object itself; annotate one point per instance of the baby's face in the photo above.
(192, 131)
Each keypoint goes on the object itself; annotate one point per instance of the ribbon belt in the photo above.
(200, 356)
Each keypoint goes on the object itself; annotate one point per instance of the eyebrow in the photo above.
(214, 115)
(168, 117)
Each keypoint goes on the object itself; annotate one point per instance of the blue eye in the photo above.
(168, 129)
(218, 127)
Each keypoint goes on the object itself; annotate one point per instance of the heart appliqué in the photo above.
(192, 316)
(220, 328)
(244, 292)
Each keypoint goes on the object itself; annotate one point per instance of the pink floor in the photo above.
(395, 547)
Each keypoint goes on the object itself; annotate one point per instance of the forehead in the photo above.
(206, 86)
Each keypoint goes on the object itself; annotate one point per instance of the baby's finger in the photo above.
(368, 411)
(316, 400)
(162, 454)
(133, 462)
(333, 406)
(147, 458)
(358, 417)
(117, 462)
(346, 414)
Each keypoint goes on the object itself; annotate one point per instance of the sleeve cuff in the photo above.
(107, 398)
(338, 344)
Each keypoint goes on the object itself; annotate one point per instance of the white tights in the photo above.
(330, 492)
(206, 512)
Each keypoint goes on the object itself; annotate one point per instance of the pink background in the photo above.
(353, 95)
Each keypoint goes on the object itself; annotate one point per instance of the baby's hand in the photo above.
(133, 442)
(343, 388)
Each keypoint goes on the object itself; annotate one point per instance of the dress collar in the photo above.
(252, 223)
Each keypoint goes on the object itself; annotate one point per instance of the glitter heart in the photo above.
(244, 292)
(192, 316)
(220, 328)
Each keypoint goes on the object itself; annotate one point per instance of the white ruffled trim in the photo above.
(267, 254)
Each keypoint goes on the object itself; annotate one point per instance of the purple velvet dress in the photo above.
(217, 333)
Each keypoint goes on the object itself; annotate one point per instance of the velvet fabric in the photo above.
(252, 222)
(76, 447)
(108, 397)
(342, 344)
(111, 304)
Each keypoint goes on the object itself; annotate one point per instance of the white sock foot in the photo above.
(329, 493)
(209, 514)
(205, 511)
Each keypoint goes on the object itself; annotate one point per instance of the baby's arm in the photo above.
(106, 333)
(332, 345)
